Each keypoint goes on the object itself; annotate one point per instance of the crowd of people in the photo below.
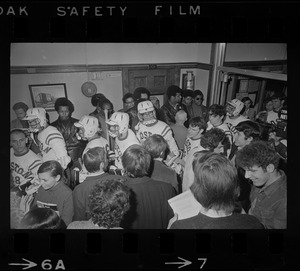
(119, 169)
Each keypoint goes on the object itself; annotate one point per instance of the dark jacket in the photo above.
(74, 146)
(149, 207)
(168, 113)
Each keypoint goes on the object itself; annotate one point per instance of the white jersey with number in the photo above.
(158, 128)
(231, 123)
(24, 168)
(122, 145)
(189, 144)
(51, 144)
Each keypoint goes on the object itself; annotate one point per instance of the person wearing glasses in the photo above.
(128, 102)
(198, 109)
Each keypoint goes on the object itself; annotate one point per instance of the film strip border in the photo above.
(176, 21)
(146, 250)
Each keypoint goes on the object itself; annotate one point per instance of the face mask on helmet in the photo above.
(118, 124)
(113, 130)
(88, 127)
(34, 125)
(234, 107)
(36, 118)
(146, 113)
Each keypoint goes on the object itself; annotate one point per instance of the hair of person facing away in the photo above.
(136, 161)
(20, 105)
(52, 166)
(42, 218)
(156, 145)
(257, 153)
(96, 98)
(250, 129)
(93, 158)
(103, 102)
(64, 102)
(211, 139)
(108, 202)
(215, 185)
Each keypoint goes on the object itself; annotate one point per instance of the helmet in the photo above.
(238, 107)
(119, 119)
(90, 126)
(145, 107)
(39, 114)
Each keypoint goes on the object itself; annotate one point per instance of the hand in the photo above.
(82, 176)
(26, 202)
(172, 220)
(64, 161)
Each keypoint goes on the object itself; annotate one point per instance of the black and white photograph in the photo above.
(200, 128)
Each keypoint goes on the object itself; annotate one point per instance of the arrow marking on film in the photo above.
(29, 264)
(183, 264)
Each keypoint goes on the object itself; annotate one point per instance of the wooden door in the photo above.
(156, 80)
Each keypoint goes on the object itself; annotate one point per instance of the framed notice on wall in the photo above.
(46, 95)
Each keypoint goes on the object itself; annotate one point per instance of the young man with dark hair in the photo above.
(149, 208)
(95, 162)
(20, 109)
(157, 146)
(246, 132)
(128, 102)
(217, 116)
(65, 124)
(170, 108)
(199, 110)
(215, 188)
(269, 191)
(278, 100)
(197, 127)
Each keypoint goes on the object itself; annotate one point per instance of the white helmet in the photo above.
(38, 113)
(145, 107)
(90, 126)
(238, 107)
(119, 119)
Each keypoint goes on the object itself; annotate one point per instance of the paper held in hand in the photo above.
(185, 205)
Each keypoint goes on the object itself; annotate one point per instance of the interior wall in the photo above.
(110, 82)
(255, 51)
(201, 81)
(110, 85)
(31, 54)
